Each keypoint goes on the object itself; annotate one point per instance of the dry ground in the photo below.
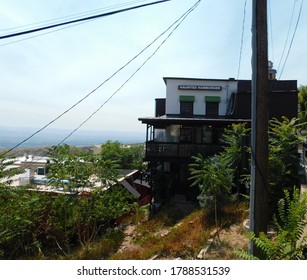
(226, 243)
(221, 245)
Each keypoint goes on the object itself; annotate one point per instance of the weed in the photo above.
(99, 249)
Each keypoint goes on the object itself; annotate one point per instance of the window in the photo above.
(207, 134)
(41, 171)
(211, 135)
(212, 105)
(186, 106)
(186, 135)
(186, 109)
(212, 108)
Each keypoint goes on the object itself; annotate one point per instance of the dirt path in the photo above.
(128, 240)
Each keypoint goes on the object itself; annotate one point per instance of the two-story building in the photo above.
(192, 118)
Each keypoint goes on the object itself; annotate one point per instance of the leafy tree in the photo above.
(236, 152)
(214, 177)
(127, 156)
(5, 171)
(40, 224)
(302, 101)
(21, 220)
(70, 168)
(34, 223)
(111, 150)
(94, 213)
(283, 160)
(57, 169)
(60, 227)
(105, 170)
(132, 157)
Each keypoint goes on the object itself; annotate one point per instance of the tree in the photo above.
(94, 213)
(235, 139)
(33, 223)
(57, 168)
(127, 156)
(105, 170)
(6, 172)
(132, 157)
(214, 178)
(21, 222)
(302, 101)
(111, 150)
(283, 159)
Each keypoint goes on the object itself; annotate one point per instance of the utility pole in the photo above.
(260, 119)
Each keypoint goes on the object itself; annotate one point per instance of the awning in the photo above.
(186, 98)
(213, 99)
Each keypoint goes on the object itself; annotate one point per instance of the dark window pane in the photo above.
(186, 108)
(212, 108)
(186, 135)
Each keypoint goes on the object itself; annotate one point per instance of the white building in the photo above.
(192, 97)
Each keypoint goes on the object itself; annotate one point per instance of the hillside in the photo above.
(171, 235)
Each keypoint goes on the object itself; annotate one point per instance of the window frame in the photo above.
(186, 105)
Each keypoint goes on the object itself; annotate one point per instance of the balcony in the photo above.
(183, 151)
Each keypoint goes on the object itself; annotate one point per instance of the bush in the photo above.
(39, 225)
(290, 240)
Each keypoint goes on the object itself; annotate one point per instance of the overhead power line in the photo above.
(105, 81)
(179, 21)
(242, 39)
(288, 34)
(176, 24)
(271, 30)
(79, 20)
(292, 39)
(48, 32)
(73, 16)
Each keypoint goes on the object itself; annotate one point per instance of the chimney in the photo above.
(272, 72)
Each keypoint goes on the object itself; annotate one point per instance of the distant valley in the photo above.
(10, 137)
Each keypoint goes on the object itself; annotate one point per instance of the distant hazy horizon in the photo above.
(10, 137)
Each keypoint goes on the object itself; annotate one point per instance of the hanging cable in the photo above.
(74, 16)
(66, 27)
(85, 97)
(292, 39)
(42, 34)
(178, 22)
(288, 34)
(271, 30)
(100, 85)
(78, 20)
(242, 37)
(131, 76)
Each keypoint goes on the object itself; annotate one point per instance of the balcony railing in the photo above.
(179, 150)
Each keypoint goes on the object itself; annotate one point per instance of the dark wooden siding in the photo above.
(283, 100)
(160, 107)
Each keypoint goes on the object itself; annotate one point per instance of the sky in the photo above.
(45, 73)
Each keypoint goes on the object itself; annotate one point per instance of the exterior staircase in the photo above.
(179, 200)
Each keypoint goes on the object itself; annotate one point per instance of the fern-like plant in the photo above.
(290, 242)
(214, 177)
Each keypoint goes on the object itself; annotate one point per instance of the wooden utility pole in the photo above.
(260, 118)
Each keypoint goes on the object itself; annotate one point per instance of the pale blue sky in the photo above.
(43, 76)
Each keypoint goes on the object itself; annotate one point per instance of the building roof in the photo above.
(196, 79)
(176, 119)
